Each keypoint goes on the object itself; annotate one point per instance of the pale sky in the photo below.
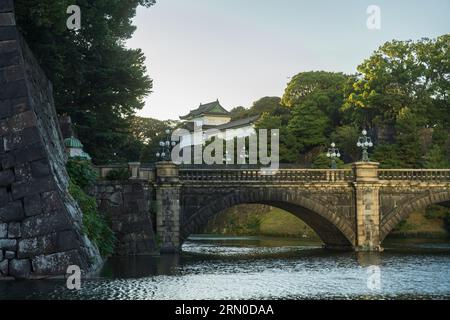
(241, 50)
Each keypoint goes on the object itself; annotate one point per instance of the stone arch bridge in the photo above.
(349, 208)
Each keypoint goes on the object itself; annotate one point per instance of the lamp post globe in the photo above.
(364, 142)
(333, 153)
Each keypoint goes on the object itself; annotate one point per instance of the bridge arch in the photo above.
(333, 230)
(392, 219)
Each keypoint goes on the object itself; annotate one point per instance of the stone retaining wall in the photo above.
(40, 223)
(127, 205)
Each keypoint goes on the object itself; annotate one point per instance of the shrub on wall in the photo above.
(81, 172)
(94, 225)
(118, 174)
(82, 176)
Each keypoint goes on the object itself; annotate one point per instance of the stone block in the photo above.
(27, 154)
(35, 246)
(20, 269)
(8, 46)
(20, 105)
(5, 108)
(21, 121)
(1, 255)
(3, 230)
(7, 19)
(45, 224)
(10, 74)
(56, 263)
(40, 168)
(4, 267)
(13, 211)
(8, 33)
(14, 230)
(6, 178)
(32, 205)
(5, 196)
(13, 89)
(23, 171)
(7, 160)
(51, 201)
(67, 240)
(10, 254)
(6, 6)
(21, 189)
(8, 244)
(21, 139)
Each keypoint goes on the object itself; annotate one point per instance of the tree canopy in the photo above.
(97, 80)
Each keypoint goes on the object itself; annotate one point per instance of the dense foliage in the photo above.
(400, 95)
(98, 81)
(95, 225)
(97, 229)
(118, 174)
(81, 172)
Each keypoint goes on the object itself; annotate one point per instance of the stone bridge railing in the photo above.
(281, 175)
(257, 175)
(423, 175)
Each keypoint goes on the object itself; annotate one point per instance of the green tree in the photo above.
(270, 105)
(97, 80)
(435, 158)
(323, 162)
(346, 137)
(309, 124)
(289, 145)
(403, 74)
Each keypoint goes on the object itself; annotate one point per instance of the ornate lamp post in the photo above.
(166, 147)
(365, 143)
(333, 153)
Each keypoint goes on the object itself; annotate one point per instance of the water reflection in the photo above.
(262, 268)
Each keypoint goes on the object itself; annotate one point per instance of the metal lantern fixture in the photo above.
(166, 147)
(333, 153)
(365, 142)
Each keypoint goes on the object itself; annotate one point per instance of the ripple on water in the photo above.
(217, 270)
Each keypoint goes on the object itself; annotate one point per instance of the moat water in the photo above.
(213, 267)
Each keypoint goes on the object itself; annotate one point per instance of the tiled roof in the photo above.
(212, 108)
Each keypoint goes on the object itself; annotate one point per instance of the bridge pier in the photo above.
(367, 197)
(168, 207)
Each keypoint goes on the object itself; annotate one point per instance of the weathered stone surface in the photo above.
(13, 211)
(32, 205)
(12, 73)
(35, 246)
(7, 19)
(51, 201)
(20, 269)
(21, 121)
(5, 196)
(6, 6)
(56, 263)
(23, 138)
(23, 172)
(14, 89)
(10, 254)
(127, 205)
(4, 267)
(45, 224)
(6, 177)
(3, 230)
(14, 230)
(8, 244)
(1, 255)
(25, 188)
(5, 107)
(40, 168)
